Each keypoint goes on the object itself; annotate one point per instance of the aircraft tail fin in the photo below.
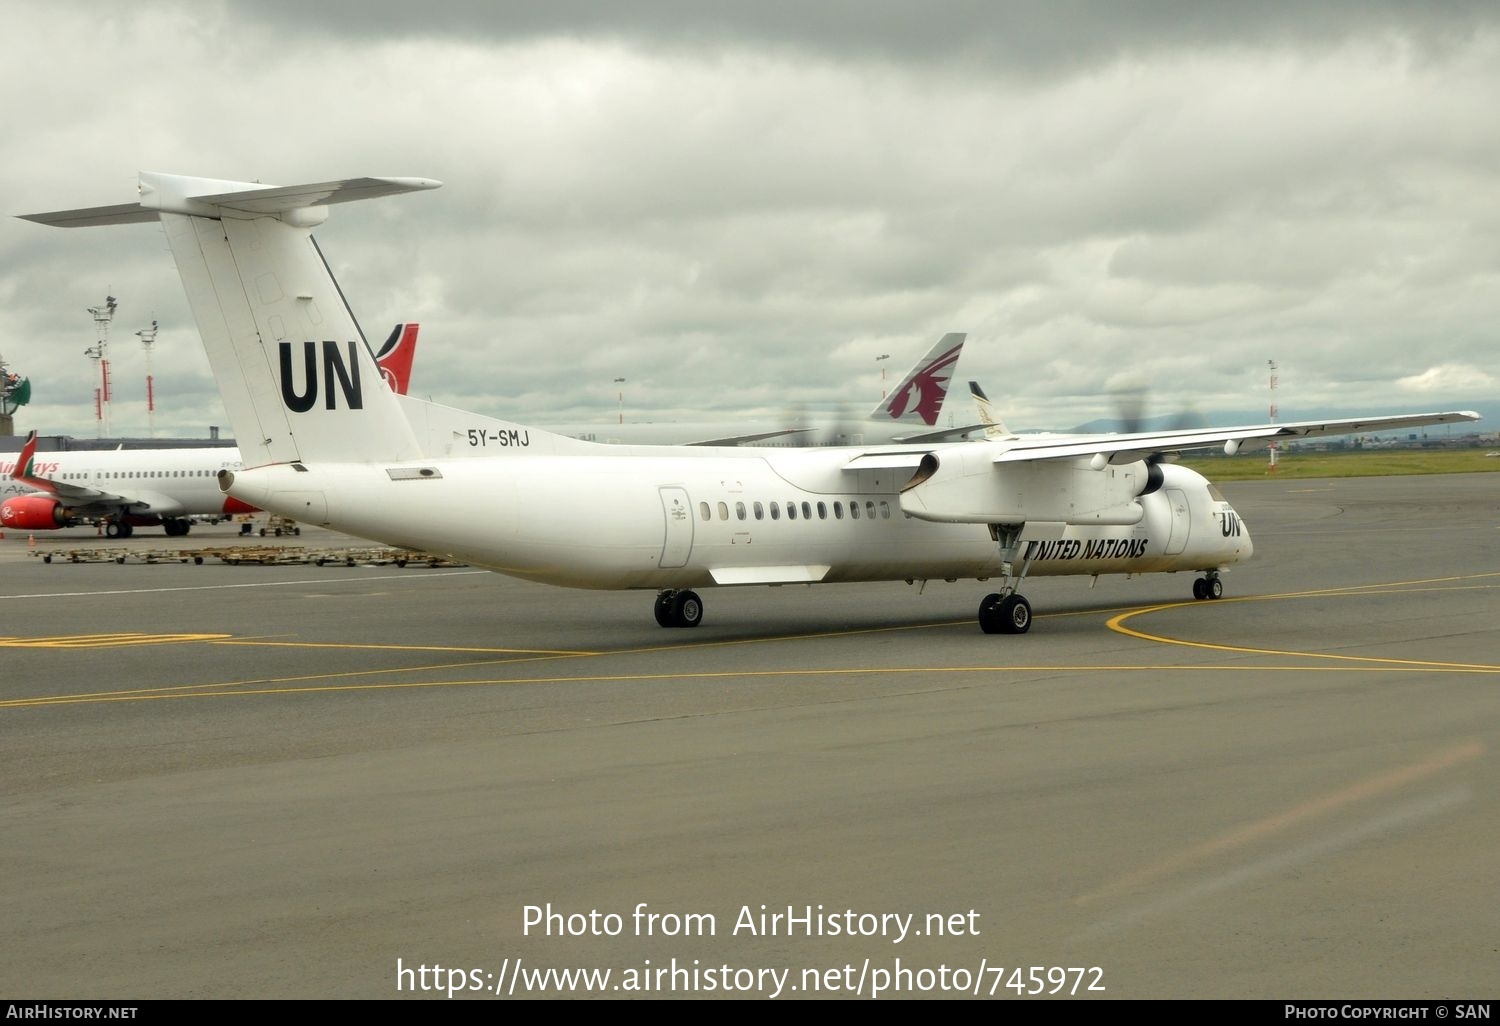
(994, 427)
(297, 378)
(918, 398)
(25, 469)
(395, 357)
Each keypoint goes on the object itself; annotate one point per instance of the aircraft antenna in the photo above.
(148, 339)
(1272, 365)
(99, 353)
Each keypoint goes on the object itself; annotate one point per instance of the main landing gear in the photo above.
(679, 609)
(1004, 614)
(1208, 586)
(1007, 611)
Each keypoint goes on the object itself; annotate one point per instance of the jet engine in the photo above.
(964, 485)
(33, 513)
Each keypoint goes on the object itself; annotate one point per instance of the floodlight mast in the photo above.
(99, 353)
(148, 339)
(1272, 365)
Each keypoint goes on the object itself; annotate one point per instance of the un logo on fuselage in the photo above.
(335, 371)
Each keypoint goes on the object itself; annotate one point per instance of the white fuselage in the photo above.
(178, 482)
(670, 521)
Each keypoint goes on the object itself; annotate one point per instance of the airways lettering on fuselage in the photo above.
(334, 369)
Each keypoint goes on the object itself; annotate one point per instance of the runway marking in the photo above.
(1365, 664)
(1270, 826)
(231, 689)
(106, 640)
(1117, 623)
(254, 584)
(1402, 816)
(258, 643)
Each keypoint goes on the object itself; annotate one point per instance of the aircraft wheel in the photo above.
(1213, 588)
(663, 609)
(111, 530)
(687, 609)
(1014, 614)
(989, 620)
(1200, 590)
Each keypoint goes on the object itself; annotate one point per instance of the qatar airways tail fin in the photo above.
(918, 399)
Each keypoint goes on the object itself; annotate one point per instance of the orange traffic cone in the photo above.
(31, 541)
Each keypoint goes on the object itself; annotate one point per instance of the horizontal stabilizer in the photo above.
(209, 197)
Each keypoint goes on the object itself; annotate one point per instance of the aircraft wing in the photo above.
(952, 434)
(1127, 448)
(750, 439)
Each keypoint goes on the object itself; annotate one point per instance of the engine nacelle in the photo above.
(34, 513)
(966, 486)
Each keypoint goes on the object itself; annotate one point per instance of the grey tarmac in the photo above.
(284, 781)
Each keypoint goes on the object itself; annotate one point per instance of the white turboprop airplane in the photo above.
(123, 489)
(908, 413)
(320, 445)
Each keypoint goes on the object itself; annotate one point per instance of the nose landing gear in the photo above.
(1208, 586)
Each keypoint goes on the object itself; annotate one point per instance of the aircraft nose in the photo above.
(1244, 546)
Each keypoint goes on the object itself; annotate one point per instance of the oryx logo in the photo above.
(930, 385)
(335, 369)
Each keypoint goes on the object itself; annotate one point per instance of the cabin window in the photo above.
(822, 511)
(760, 513)
(885, 510)
(854, 511)
(838, 511)
(739, 510)
(723, 510)
(791, 511)
(775, 511)
(806, 511)
(870, 508)
(703, 511)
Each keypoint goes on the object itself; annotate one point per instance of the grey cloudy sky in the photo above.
(739, 207)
